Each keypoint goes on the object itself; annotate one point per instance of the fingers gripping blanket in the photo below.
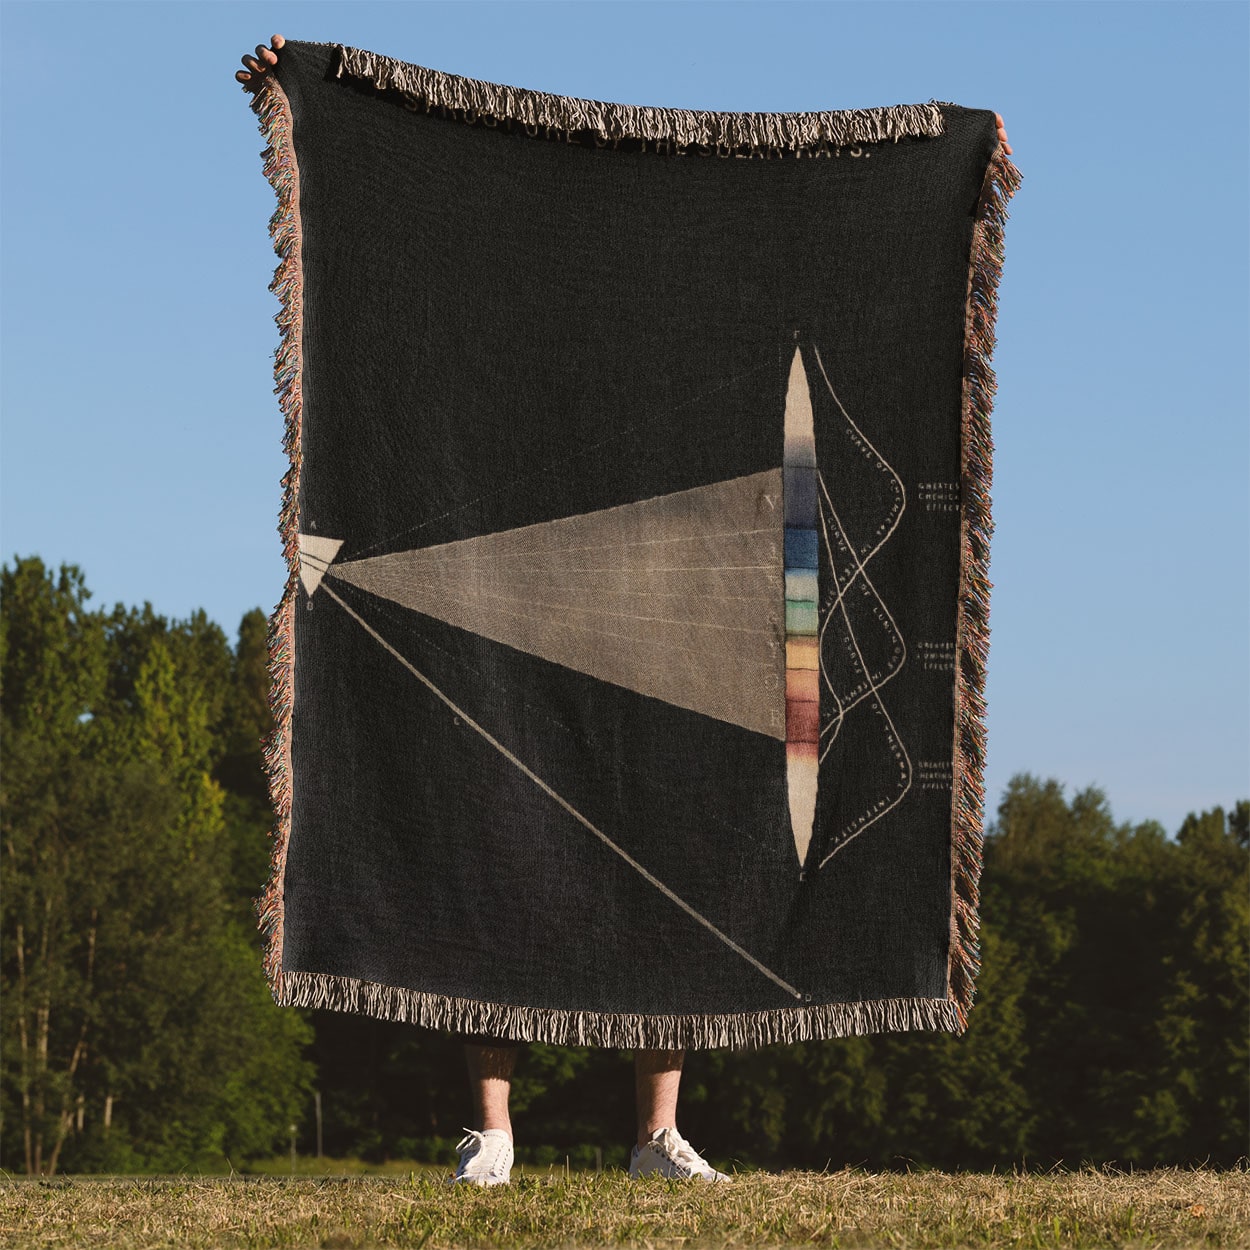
(628, 677)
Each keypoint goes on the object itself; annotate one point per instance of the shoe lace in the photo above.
(471, 1135)
(684, 1154)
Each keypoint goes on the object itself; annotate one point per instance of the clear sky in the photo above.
(142, 439)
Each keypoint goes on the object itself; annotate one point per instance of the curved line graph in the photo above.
(859, 570)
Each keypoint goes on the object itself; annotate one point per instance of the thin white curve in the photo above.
(893, 733)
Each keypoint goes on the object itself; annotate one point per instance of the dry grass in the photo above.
(851, 1208)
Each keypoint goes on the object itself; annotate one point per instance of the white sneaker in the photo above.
(485, 1158)
(668, 1153)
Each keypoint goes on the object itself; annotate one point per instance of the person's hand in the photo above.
(258, 64)
(998, 117)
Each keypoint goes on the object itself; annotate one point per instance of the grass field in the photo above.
(850, 1208)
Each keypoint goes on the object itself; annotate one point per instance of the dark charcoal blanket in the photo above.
(628, 677)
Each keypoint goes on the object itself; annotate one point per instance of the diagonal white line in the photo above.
(875, 452)
(631, 542)
(873, 689)
(538, 781)
(860, 571)
(860, 565)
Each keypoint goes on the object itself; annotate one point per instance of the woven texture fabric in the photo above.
(628, 677)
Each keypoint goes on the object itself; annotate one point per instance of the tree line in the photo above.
(137, 1033)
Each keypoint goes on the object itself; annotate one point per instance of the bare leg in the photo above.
(657, 1076)
(490, 1079)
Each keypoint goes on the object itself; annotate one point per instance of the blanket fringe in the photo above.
(1002, 179)
(423, 88)
(736, 1031)
(273, 110)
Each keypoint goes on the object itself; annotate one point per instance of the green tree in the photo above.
(1135, 951)
(1197, 1107)
(246, 720)
(141, 1032)
(53, 669)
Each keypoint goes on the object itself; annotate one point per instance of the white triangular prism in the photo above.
(316, 554)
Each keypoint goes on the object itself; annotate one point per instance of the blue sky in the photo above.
(141, 438)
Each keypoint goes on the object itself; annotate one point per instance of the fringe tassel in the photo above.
(424, 88)
(737, 1031)
(273, 110)
(1002, 179)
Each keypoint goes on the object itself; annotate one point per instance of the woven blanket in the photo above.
(628, 677)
